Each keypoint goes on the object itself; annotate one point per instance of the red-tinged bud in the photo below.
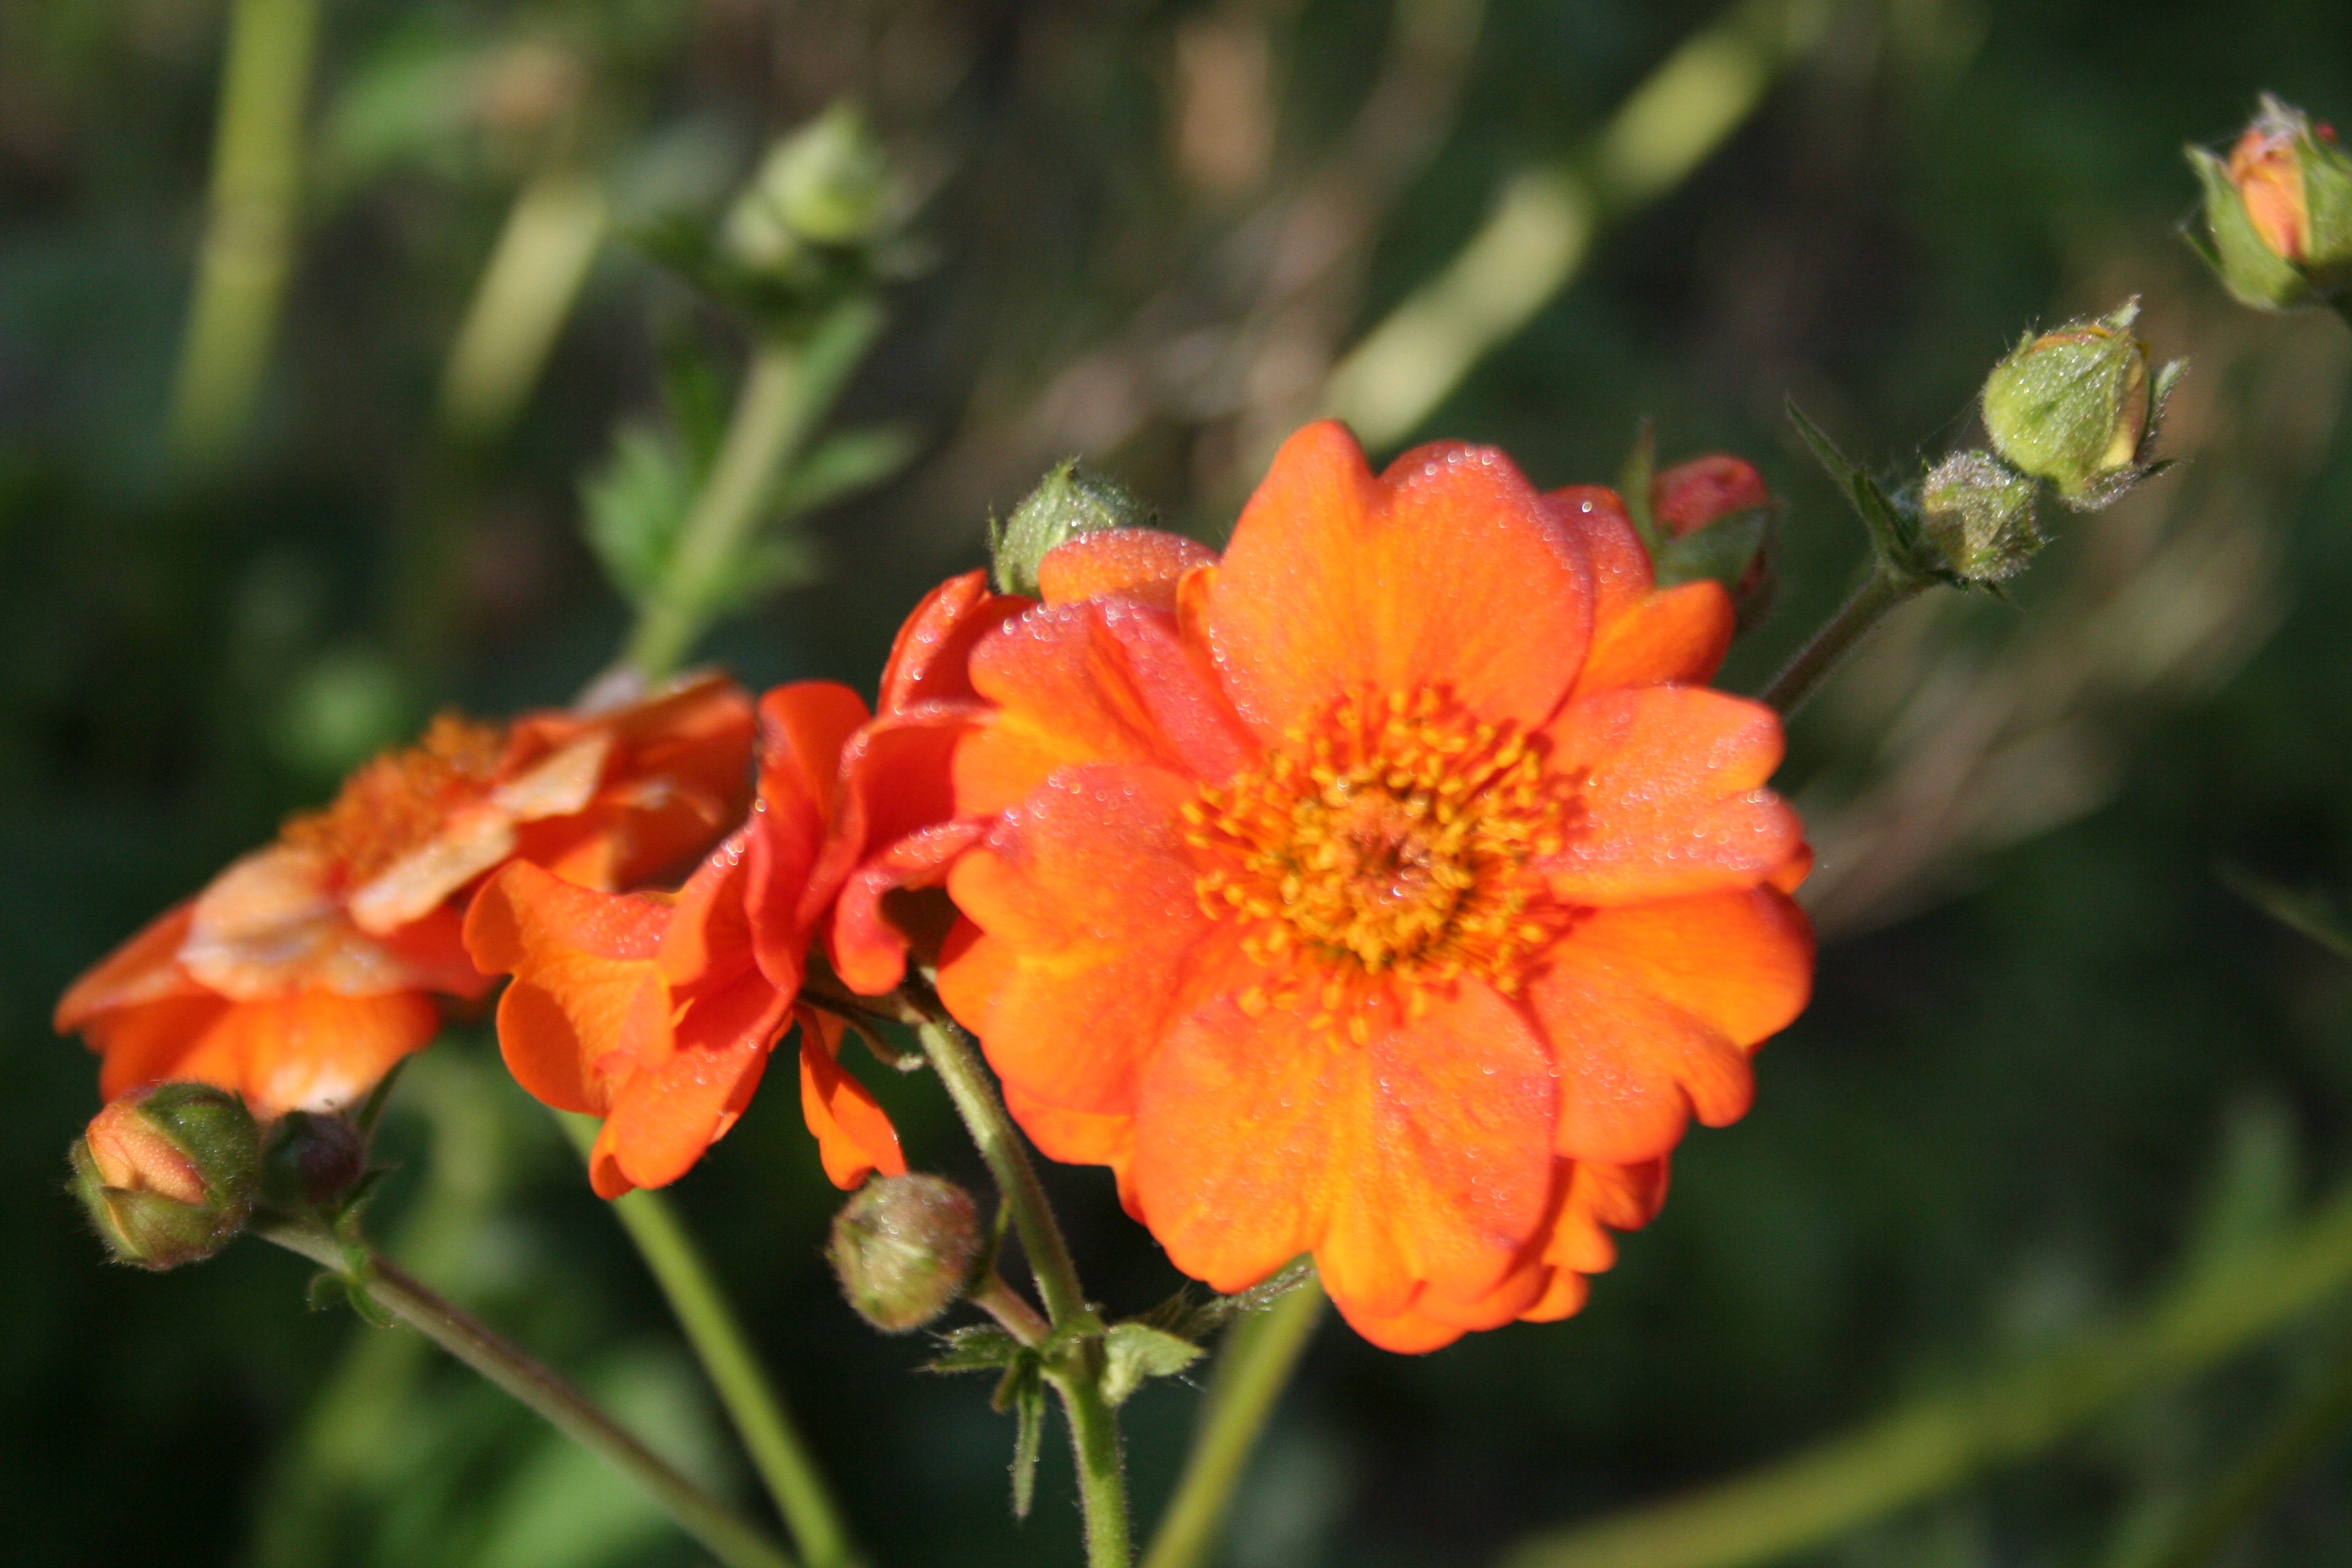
(903, 1249)
(1689, 496)
(2278, 211)
(1714, 517)
(311, 1162)
(2266, 166)
(169, 1175)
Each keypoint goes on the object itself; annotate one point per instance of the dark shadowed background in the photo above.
(2054, 1067)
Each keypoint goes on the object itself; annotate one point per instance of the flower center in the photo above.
(401, 799)
(1388, 843)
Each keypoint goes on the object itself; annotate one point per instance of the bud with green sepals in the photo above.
(2077, 407)
(904, 1249)
(169, 1175)
(1068, 501)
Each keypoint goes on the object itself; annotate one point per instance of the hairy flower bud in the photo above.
(827, 183)
(2076, 406)
(903, 1249)
(169, 1175)
(1979, 517)
(2278, 210)
(310, 1161)
(1715, 514)
(1068, 501)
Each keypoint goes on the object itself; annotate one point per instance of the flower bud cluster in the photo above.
(2278, 212)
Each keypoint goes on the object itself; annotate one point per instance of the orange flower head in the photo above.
(1387, 889)
(657, 1012)
(306, 968)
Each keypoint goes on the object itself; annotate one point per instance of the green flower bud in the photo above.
(169, 1175)
(903, 1249)
(827, 183)
(1979, 517)
(309, 1161)
(2077, 407)
(2278, 211)
(1067, 502)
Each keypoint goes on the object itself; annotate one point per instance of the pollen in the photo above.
(398, 801)
(1386, 848)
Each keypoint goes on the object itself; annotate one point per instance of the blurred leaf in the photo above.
(407, 101)
(841, 466)
(636, 506)
(2311, 914)
(1721, 550)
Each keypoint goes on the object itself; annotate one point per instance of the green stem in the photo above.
(249, 241)
(1255, 1365)
(787, 388)
(2292, 1446)
(1094, 1428)
(1880, 593)
(785, 1464)
(1936, 1443)
(718, 1530)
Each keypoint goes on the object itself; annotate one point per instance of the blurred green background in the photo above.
(2055, 1072)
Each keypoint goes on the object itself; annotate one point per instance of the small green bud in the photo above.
(1067, 502)
(309, 1161)
(2076, 407)
(169, 1175)
(903, 1249)
(1978, 516)
(827, 183)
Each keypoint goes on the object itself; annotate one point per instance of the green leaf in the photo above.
(1721, 550)
(1635, 484)
(983, 1347)
(1024, 1391)
(636, 506)
(2314, 915)
(841, 466)
(1188, 1317)
(1135, 1352)
(1891, 534)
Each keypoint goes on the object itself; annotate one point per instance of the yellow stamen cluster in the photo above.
(1386, 843)
(399, 800)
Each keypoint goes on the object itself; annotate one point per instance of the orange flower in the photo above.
(658, 1011)
(304, 970)
(1385, 891)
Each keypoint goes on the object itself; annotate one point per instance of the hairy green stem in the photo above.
(249, 243)
(1880, 593)
(1936, 1443)
(1253, 1366)
(718, 1528)
(778, 1451)
(1077, 1376)
(787, 388)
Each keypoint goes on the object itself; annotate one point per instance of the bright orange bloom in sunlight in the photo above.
(304, 970)
(1387, 891)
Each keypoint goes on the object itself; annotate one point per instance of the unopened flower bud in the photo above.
(903, 1248)
(2076, 406)
(1716, 513)
(1067, 502)
(1979, 517)
(169, 1175)
(827, 183)
(310, 1161)
(2278, 210)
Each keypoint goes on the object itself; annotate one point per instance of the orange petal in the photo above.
(1080, 1138)
(867, 949)
(1085, 899)
(674, 1105)
(1446, 571)
(803, 728)
(150, 1042)
(1622, 574)
(1671, 794)
(1103, 682)
(927, 659)
(1679, 634)
(707, 937)
(143, 969)
(1652, 1011)
(1420, 1157)
(1143, 562)
(311, 1052)
(854, 1135)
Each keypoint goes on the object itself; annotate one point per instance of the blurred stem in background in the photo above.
(392, 1290)
(1253, 1366)
(1545, 219)
(1940, 1442)
(782, 1456)
(788, 387)
(249, 243)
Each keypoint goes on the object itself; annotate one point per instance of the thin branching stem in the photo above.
(1880, 593)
